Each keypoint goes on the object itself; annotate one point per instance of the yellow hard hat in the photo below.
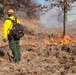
(10, 11)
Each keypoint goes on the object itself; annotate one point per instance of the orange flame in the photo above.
(35, 22)
(51, 41)
(60, 40)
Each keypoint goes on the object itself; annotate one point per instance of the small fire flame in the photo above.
(35, 22)
(60, 40)
(66, 40)
(51, 41)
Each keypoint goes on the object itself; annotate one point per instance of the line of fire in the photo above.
(62, 38)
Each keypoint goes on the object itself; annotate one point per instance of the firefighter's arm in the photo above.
(5, 29)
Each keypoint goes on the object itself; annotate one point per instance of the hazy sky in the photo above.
(41, 1)
(72, 12)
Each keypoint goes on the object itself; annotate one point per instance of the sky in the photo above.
(71, 13)
(41, 1)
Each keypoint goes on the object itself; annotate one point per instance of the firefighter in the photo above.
(12, 40)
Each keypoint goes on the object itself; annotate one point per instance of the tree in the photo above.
(66, 6)
(27, 6)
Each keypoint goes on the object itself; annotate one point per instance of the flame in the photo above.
(54, 40)
(74, 41)
(35, 22)
(66, 40)
(60, 40)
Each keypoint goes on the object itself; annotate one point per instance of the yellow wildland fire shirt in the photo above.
(8, 26)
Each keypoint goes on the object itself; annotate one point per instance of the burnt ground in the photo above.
(38, 57)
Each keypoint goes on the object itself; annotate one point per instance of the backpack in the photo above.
(17, 29)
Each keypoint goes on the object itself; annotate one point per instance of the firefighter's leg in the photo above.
(12, 44)
(18, 49)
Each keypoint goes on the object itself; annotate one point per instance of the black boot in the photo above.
(19, 59)
(15, 60)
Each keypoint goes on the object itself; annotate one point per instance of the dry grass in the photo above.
(39, 58)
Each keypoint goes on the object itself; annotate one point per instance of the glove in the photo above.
(4, 40)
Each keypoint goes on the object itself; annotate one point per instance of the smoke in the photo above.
(52, 18)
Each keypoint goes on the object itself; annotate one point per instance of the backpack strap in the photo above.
(13, 21)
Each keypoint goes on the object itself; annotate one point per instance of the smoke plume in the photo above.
(52, 18)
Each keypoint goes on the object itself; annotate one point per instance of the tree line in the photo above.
(30, 7)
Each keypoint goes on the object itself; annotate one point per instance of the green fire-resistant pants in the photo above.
(15, 48)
